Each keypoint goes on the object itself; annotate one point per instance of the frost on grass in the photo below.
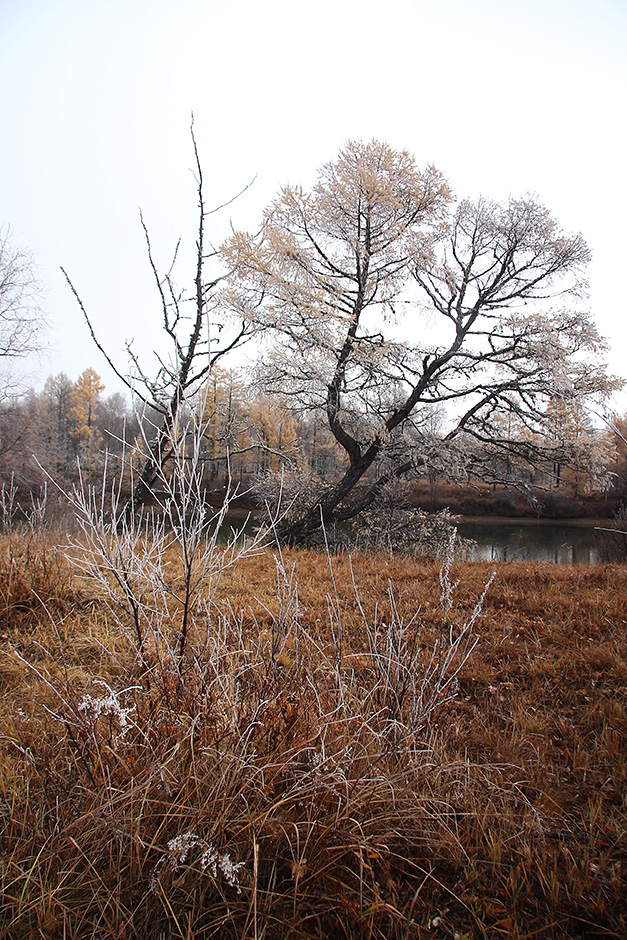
(108, 705)
(179, 849)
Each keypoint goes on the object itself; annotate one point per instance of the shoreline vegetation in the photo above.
(487, 502)
(478, 502)
(298, 771)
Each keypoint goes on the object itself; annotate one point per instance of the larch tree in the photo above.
(387, 300)
(83, 415)
(244, 431)
(272, 434)
(225, 424)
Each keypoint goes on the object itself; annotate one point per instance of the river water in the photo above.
(564, 543)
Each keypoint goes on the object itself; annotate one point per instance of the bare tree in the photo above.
(21, 318)
(197, 342)
(387, 304)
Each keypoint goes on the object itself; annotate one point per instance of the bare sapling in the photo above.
(158, 570)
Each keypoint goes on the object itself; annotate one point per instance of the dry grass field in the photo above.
(326, 755)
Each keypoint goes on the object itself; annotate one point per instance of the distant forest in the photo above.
(73, 427)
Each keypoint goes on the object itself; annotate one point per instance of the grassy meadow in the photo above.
(344, 749)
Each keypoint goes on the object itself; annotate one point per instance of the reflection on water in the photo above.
(543, 542)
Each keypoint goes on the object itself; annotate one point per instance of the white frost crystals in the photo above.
(178, 850)
(108, 705)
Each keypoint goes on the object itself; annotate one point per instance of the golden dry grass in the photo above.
(271, 748)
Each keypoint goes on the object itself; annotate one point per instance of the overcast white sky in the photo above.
(504, 96)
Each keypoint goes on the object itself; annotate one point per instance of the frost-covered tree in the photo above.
(21, 321)
(54, 444)
(386, 301)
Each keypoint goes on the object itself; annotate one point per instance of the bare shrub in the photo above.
(394, 526)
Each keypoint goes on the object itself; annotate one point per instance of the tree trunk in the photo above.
(325, 510)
